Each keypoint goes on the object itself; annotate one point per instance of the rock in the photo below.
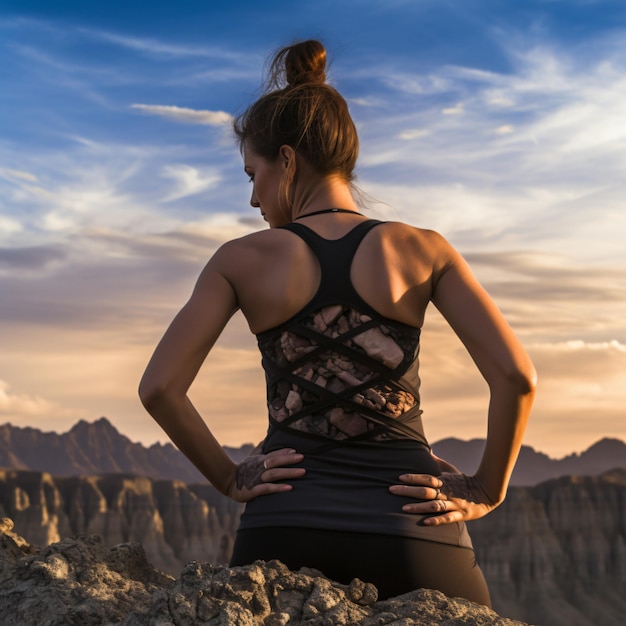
(74, 581)
(79, 581)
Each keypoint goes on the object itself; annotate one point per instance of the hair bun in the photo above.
(301, 63)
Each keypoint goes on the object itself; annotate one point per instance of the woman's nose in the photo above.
(253, 201)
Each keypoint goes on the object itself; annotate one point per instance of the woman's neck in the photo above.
(331, 191)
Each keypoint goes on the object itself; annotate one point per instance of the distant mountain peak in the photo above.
(101, 423)
(607, 443)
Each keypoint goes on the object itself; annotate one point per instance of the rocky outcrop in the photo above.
(79, 581)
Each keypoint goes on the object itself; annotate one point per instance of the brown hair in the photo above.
(301, 110)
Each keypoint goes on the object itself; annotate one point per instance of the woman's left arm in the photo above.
(173, 367)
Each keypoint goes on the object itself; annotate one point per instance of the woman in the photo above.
(345, 481)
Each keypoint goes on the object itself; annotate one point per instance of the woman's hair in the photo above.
(301, 110)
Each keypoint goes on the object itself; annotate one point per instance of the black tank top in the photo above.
(338, 370)
(343, 389)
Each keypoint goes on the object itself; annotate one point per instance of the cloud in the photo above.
(554, 154)
(156, 47)
(414, 133)
(17, 175)
(9, 226)
(188, 116)
(457, 109)
(566, 111)
(21, 405)
(29, 258)
(188, 181)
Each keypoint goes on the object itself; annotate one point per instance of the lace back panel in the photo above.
(338, 370)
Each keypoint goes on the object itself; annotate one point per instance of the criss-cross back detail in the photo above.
(337, 369)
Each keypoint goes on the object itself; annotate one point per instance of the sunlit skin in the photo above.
(398, 269)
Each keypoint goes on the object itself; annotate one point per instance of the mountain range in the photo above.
(99, 448)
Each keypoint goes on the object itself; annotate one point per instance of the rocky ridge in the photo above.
(79, 581)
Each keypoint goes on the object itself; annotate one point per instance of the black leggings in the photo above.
(395, 565)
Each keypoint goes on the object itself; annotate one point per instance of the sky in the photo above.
(500, 124)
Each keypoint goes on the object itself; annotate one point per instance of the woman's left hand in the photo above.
(449, 498)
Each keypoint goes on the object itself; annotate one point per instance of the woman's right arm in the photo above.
(502, 361)
(511, 377)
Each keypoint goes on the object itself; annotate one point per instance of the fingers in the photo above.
(421, 480)
(430, 507)
(275, 470)
(418, 486)
(278, 458)
(418, 493)
(435, 506)
(282, 473)
(445, 518)
(264, 489)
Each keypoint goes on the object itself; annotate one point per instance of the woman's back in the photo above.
(275, 274)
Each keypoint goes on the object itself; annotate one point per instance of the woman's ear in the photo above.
(287, 155)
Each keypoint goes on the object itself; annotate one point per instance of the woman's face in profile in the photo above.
(265, 177)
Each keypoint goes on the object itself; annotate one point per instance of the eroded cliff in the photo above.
(175, 523)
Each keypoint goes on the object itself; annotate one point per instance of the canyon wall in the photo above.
(175, 523)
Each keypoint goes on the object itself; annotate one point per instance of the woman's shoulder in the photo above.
(254, 251)
(412, 240)
(258, 241)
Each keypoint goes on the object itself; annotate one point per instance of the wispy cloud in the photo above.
(158, 47)
(17, 175)
(411, 134)
(189, 116)
(188, 181)
(17, 406)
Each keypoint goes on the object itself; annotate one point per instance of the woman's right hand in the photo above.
(451, 497)
(258, 474)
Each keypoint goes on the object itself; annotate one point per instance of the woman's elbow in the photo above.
(152, 393)
(523, 378)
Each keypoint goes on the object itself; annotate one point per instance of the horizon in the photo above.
(251, 443)
(498, 124)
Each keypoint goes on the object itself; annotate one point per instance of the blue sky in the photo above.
(500, 124)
